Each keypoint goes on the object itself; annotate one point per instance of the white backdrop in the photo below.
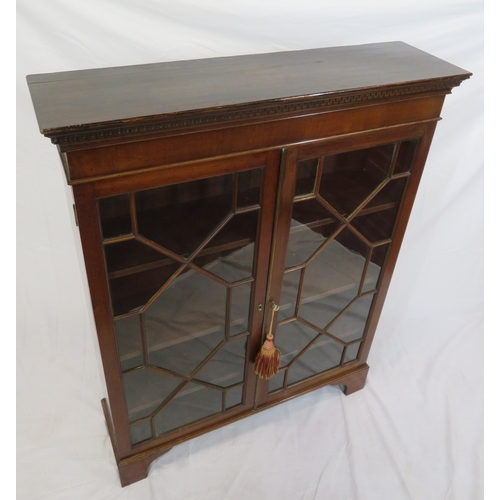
(415, 431)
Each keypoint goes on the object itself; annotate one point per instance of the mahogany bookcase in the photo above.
(207, 190)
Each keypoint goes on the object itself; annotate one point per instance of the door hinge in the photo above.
(76, 215)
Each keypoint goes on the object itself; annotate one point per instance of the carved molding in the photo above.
(169, 123)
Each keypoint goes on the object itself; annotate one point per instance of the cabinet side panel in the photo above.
(96, 275)
(400, 227)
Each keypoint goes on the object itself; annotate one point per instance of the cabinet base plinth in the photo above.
(137, 469)
(355, 381)
(130, 469)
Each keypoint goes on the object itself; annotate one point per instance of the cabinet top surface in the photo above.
(107, 97)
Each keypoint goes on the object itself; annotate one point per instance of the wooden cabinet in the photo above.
(205, 191)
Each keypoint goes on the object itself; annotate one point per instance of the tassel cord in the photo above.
(267, 361)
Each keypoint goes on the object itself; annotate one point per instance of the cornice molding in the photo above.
(253, 111)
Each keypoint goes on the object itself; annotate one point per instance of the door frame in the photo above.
(290, 157)
(86, 197)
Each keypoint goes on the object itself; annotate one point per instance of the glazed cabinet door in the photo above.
(339, 208)
(185, 253)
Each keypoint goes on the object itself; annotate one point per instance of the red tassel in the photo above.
(267, 360)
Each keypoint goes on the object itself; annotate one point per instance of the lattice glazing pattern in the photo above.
(344, 213)
(180, 261)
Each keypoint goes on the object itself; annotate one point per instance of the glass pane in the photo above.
(405, 157)
(114, 213)
(291, 338)
(373, 272)
(333, 278)
(128, 337)
(180, 355)
(145, 390)
(180, 217)
(349, 178)
(351, 325)
(322, 311)
(186, 322)
(306, 176)
(312, 213)
(136, 273)
(352, 352)
(193, 403)
(289, 290)
(140, 432)
(311, 226)
(249, 183)
(234, 396)
(276, 382)
(378, 225)
(227, 367)
(131, 256)
(323, 355)
(132, 291)
(240, 308)
(230, 254)
(379, 254)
